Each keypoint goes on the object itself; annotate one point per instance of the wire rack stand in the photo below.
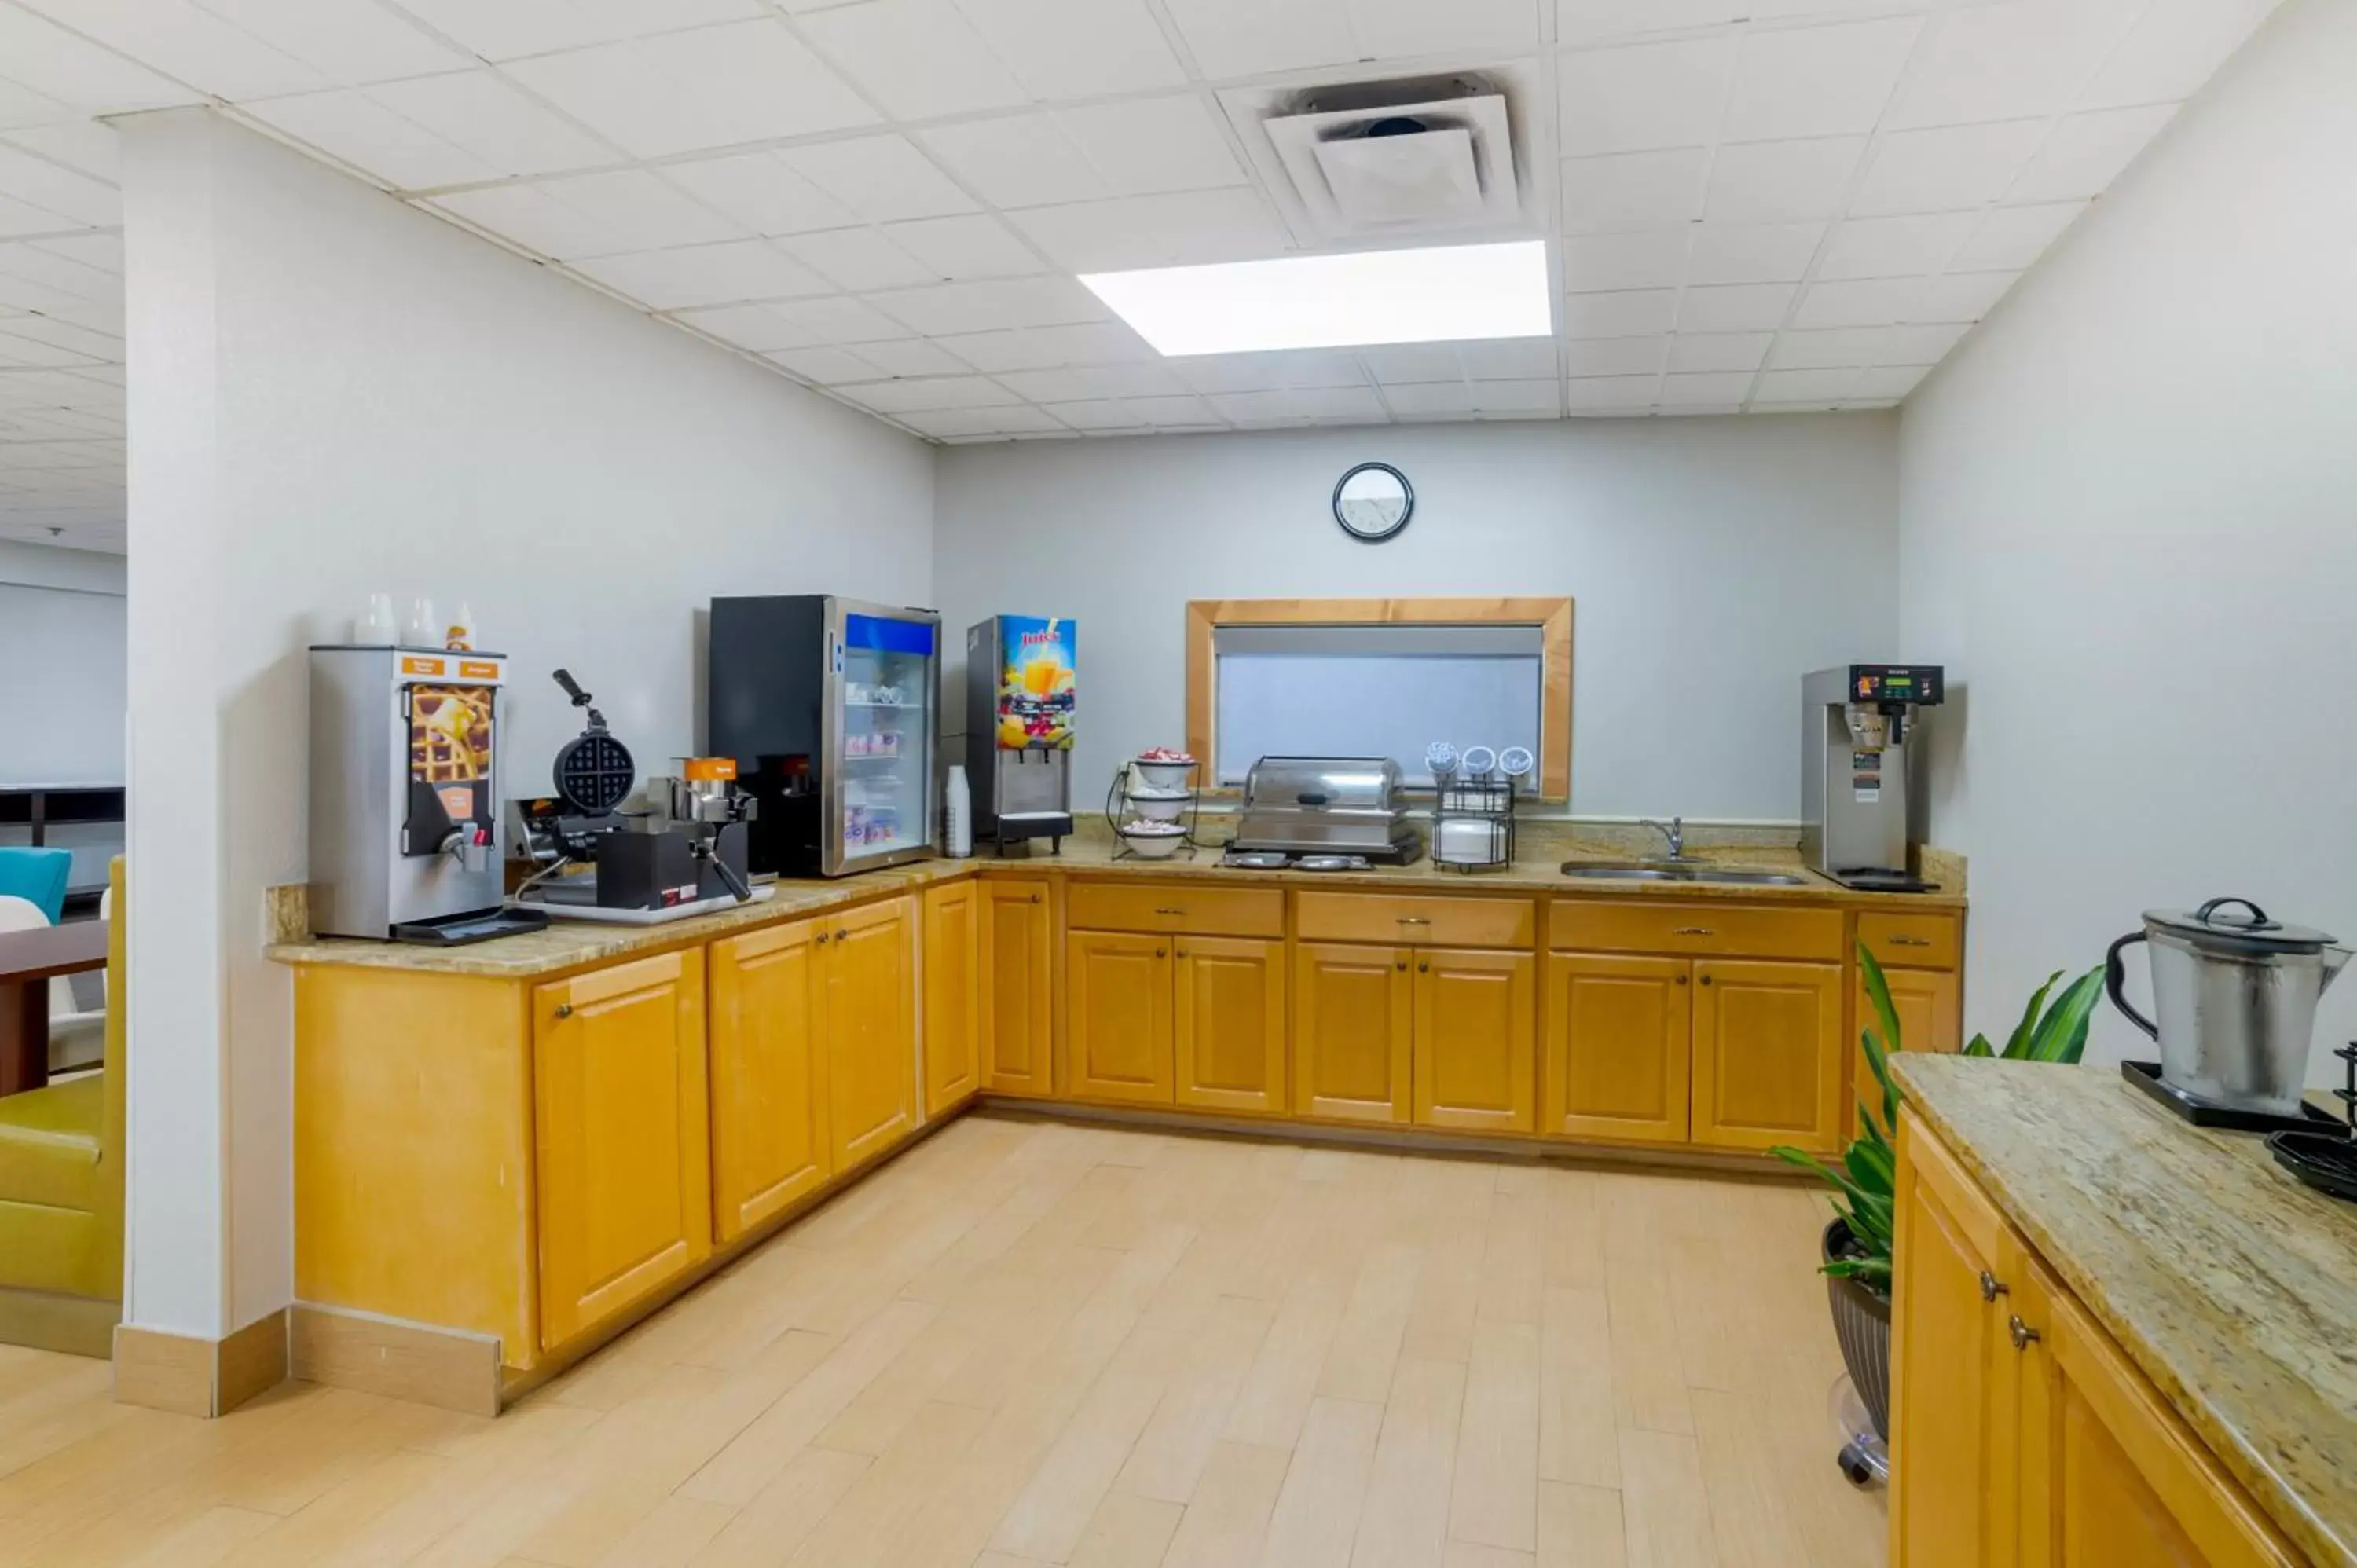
(1123, 790)
(1481, 809)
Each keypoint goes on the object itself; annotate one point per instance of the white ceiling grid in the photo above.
(1751, 205)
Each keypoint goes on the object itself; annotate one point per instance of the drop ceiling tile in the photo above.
(1960, 297)
(758, 328)
(1718, 353)
(1537, 397)
(955, 423)
(1171, 412)
(2087, 152)
(1018, 161)
(1423, 400)
(704, 274)
(1508, 359)
(1945, 170)
(1249, 37)
(539, 222)
(882, 178)
(759, 191)
(1096, 414)
(105, 347)
(1047, 348)
(627, 210)
(60, 265)
(1609, 394)
(857, 260)
(359, 131)
(1616, 191)
(1185, 227)
(922, 393)
(90, 146)
(2010, 238)
(841, 320)
(40, 183)
(1270, 373)
(1752, 253)
(2011, 62)
(1078, 49)
(1713, 389)
(183, 42)
(1402, 363)
(965, 247)
(1149, 146)
(1079, 384)
(1817, 80)
(2172, 51)
(1803, 386)
(1339, 404)
(1642, 97)
(987, 305)
(827, 367)
(1775, 182)
(348, 41)
(476, 111)
(62, 68)
(1888, 382)
(17, 351)
(678, 93)
(1922, 345)
(913, 356)
(1840, 347)
(1625, 314)
(919, 59)
(1263, 410)
(511, 28)
(1870, 302)
(1602, 263)
(18, 218)
(1615, 357)
(1895, 247)
(1742, 307)
(1392, 28)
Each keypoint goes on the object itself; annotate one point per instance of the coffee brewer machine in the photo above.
(1019, 696)
(405, 833)
(1855, 720)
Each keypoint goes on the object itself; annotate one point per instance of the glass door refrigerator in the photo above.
(830, 707)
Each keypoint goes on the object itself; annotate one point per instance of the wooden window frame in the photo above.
(1551, 616)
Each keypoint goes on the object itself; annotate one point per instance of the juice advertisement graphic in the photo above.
(1037, 662)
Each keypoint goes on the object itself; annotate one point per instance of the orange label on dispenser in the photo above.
(708, 768)
(479, 668)
(411, 664)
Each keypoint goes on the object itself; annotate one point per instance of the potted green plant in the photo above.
(1855, 1251)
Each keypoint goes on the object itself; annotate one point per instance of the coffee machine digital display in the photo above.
(1855, 723)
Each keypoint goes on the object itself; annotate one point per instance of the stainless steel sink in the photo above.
(1615, 871)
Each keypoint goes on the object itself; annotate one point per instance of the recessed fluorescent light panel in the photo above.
(1445, 295)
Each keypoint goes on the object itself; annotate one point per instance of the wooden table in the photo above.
(28, 961)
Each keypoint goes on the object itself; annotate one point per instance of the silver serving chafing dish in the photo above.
(1324, 807)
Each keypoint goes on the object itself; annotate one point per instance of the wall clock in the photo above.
(1373, 501)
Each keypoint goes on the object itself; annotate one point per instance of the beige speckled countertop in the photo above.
(2231, 1285)
(570, 944)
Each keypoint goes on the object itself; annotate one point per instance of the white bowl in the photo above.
(1163, 774)
(1154, 846)
(1159, 808)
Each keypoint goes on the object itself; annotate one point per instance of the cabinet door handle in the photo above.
(1682, 980)
(1910, 941)
(1424, 968)
(1170, 911)
(2020, 1333)
(1706, 980)
(564, 1009)
(1992, 1288)
(1033, 899)
(1694, 931)
(1158, 952)
(1403, 966)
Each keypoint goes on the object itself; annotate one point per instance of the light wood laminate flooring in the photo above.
(1039, 1343)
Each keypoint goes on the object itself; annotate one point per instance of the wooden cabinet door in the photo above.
(1476, 1040)
(1930, 1005)
(2108, 1472)
(768, 1098)
(1353, 1032)
(1230, 1025)
(1117, 1035)
(867, 984)
(953, 996)
(1956, 1266)
(1017, 979)
(624, 1153)
(1619, 1033)
(1767, 1054)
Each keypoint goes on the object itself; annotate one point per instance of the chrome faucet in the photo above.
(1674, 831)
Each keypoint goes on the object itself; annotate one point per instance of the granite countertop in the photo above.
(572, 944)
(2229, 1283)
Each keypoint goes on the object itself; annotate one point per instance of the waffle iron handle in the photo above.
(580, 698)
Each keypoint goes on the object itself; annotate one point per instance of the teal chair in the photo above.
(38, 877)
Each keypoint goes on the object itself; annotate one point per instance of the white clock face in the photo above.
(1373, 502)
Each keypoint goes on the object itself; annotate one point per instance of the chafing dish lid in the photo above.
(1322, 784)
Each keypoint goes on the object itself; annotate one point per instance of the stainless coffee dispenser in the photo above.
(1856, 721)
(1019, 699)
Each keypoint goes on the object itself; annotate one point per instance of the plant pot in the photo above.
(1862, 1325)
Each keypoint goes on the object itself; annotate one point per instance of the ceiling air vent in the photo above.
(1421, 157)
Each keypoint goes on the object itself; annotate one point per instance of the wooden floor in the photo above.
(1036, 1343)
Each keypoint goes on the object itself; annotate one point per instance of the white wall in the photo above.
(1714, 563)
(335, 393)
(62, 662)
(2138, 480)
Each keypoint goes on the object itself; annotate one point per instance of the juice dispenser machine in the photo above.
(1020, 676)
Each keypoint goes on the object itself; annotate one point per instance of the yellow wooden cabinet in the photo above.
(769, 1143)
(953, 996)
(867, 1017)
(1016, 970)
(1476, 1043)
(1767, 1054)
(1930, 1006)
(1620, 1032)
(625, 1186)
(1117, 1016)
(1353, 1032)
(1228, 1024)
